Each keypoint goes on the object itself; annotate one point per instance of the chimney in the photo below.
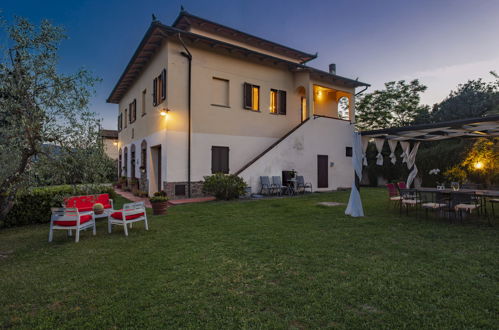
(332, 68)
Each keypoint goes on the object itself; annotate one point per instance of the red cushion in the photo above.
(107, 206)
(83, 219)
(119, 215)
(82, 203)
(103, 199)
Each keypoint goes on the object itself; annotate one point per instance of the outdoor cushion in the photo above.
(395, 198)
(119, 215)
(83, 219)
(82, 203)
(433, 205)
(466, 206)
(103, 199)
(107, 206)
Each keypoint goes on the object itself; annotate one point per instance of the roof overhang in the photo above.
(158, 32)
(467, 128)
(186, 20)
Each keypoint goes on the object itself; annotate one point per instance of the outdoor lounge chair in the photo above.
(277, 184)
(69, 219)
(266, 185)
(301, 185)
(131, 212)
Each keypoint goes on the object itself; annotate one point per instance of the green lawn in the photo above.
(283, 263)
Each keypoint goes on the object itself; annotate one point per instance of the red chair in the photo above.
(105, 200)
(401, 185)
(69, 219)
(82, 203)
(131, 212)
(393, 193)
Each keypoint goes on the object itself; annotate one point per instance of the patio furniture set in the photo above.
(450, 203)
(293, 187)
(78, 214)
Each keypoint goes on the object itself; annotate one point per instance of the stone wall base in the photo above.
(170, 188)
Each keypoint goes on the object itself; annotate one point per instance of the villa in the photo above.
(199, 98)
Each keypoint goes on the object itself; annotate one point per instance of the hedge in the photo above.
(33, 205)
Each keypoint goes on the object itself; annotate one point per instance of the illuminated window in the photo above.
(304, 113)
(273, 101)
(251, 97)
(277, 102)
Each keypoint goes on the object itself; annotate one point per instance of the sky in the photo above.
(442, 42)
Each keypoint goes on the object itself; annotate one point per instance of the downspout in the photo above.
(188, 55)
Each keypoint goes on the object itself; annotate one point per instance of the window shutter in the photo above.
(224, 159)
(134, 109)
(247, 101)
(154, 90)
(163, 85)
(215, 160)
(282, 102)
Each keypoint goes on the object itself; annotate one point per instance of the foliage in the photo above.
(455, 174)
(158, 199)
(475, 98)
(396, 105)
(268, 264)
(33, 205)
(224, 186)
(40, 106)
(485, 153)
(160, 193)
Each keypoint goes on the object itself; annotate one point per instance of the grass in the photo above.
(283, 263)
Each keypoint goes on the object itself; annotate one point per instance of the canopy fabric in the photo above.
(405, 150)
(379, 147)
(474, 127)
(393, 145)
(354, 207)
(411, 164)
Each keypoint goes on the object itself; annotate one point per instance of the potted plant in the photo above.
(159, 203)
(98, 208)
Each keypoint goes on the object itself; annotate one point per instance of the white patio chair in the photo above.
(69, 219)
(131, 212)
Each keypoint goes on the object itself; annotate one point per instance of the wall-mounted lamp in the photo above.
(164, 112)
(115, 143)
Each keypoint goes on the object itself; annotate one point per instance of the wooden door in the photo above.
(322, 171)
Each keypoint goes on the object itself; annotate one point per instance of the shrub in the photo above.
(33, 205)
(224, 186)
(158, 199)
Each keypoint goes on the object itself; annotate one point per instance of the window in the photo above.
(120, 122)
(159, 88)
(304, 112)
(219, 159)
(143, 103)
(251, 97)
(348, 151)
(126, 119)
(277, 102)
(220, 92)
(132, 108)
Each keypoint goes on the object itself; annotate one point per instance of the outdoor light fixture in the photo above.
(164, 112)
(478, 165)
(115, 143)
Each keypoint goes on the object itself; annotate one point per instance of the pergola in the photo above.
(409, 138)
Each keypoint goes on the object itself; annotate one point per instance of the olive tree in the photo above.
(41, 107)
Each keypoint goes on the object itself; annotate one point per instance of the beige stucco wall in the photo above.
(245, 132)
(109, 148)
(320, 136)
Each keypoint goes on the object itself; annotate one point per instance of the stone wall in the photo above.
(196, 189)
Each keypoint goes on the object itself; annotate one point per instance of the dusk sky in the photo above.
(443, 43)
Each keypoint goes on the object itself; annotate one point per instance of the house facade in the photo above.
(198, 97)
